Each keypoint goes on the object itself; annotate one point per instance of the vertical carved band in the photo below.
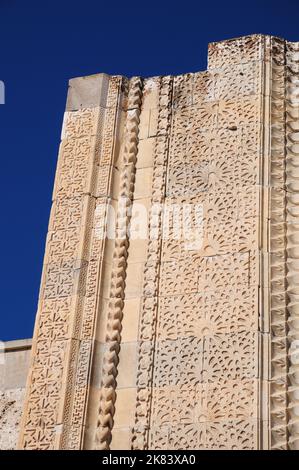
(292, 184)
(78, 377)
(120, 254)
(278, 377)
(147, 323)
(54, 411)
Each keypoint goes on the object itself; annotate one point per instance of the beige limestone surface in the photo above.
(168, 308)
(14, 364)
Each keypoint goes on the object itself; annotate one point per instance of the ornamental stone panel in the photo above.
(169, 299)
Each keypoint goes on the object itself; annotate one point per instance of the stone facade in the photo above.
(185, 337)
(14, 364)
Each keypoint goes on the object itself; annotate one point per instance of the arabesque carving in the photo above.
(184, 337)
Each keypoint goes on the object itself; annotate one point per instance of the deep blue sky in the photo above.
(42, 45)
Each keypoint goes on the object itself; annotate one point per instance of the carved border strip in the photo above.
(53, 355)
(119, 264)
(277, 265)
(292, 185)
(148, 315)
(67, 389)
(78, 377)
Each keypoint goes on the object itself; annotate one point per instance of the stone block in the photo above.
(130, 320)
(121, 439)
(143, 183)
(87, 92)
(145, 155)
(127, 366)
(134, 280)
(125, 408)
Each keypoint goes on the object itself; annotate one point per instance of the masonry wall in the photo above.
(173, 340)
(14, 364)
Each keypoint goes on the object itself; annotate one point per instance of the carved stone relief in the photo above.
(186, 337)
